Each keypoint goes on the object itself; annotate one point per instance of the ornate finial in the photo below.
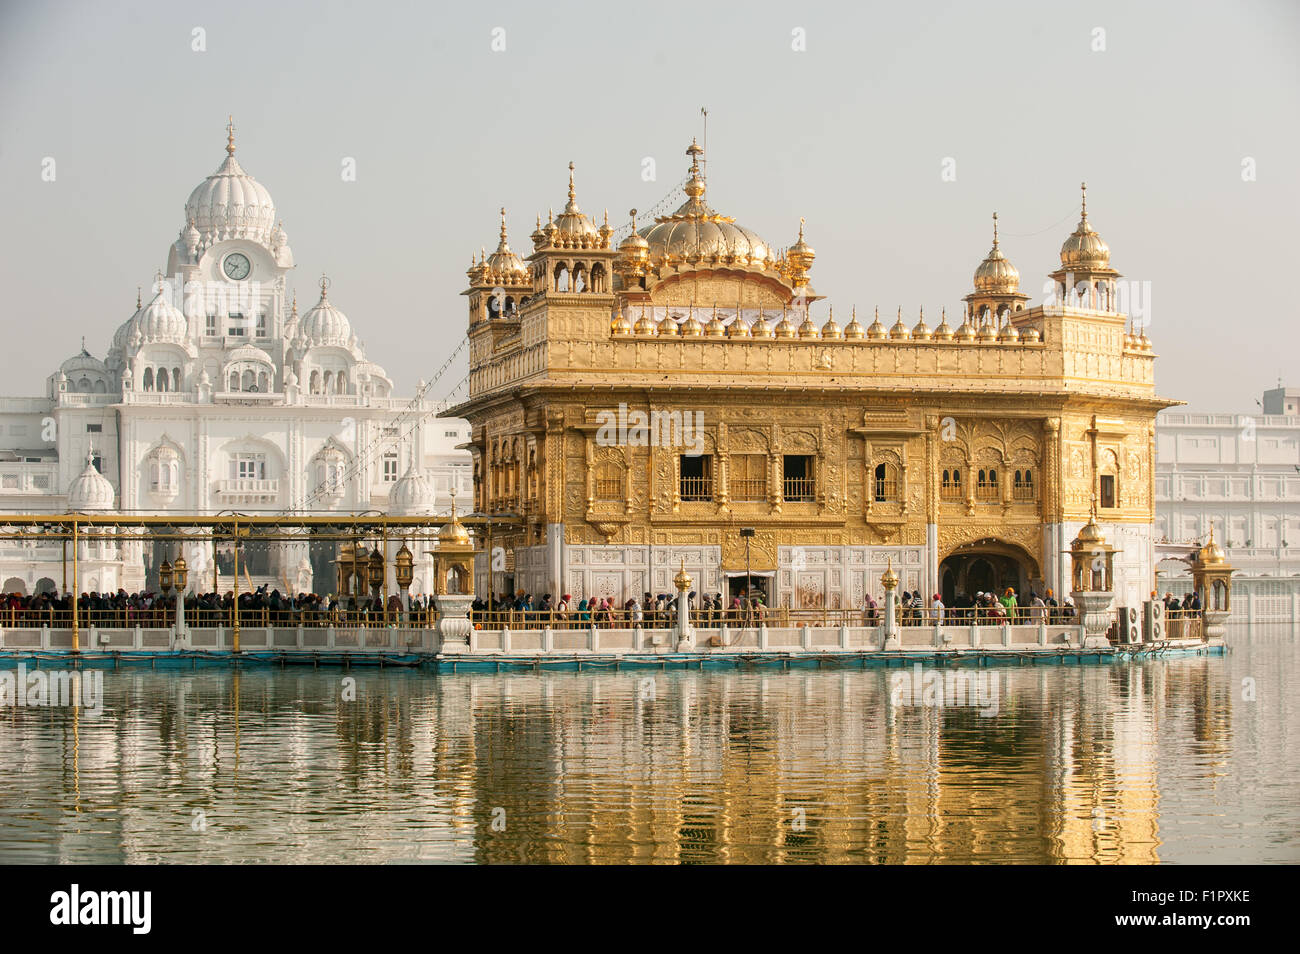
(503, 223)
(632, 212)
(158, 282)
(324, 285)
(801, 221)
(230, 135)
(83, 344)
(295, 302)
(1083, 188)
(572, 193)
(138, 302)
(606, 223)
(995, 230)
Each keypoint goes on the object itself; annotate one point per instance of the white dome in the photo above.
(413, 495)
(83, 361)
(91, 490)
(325, 325)
(231, 204)
(160, 320)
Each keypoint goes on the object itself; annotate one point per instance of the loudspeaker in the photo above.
(1130, 625)
(1153, 621)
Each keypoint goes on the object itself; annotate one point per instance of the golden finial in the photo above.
(295, 302)
(138, 302)
(632, 212)
(572, 192)
(324, 284)
(503, 223)
(995, 230)
(1083, 188)
(801, 221)
(230, 135)
(606, 223)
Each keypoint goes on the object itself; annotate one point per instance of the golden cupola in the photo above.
(899, 330)
(697, 235)
(806, 328)
(504, 267)
(691, 327)
(620, 325)
(876, 330)
(760, 328)
(921, 331)
(572, 227)
(668, 327)
(799, 259)
(739, 327)
(831, 330)
(784, 328)
(1084, 250)
(854, 331)
(633, 254)
(716, 328)
(944, 331)
(645, 326)
(995, 273)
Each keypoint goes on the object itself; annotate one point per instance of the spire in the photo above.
(573, 194)
(324, 286)
(995, 230)
(138, 302)
(1083, 188)
(230, 135)
(503, 247)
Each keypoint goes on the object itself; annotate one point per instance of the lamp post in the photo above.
(748, 534)
(404, 569)
(180, 575)
(889, 580)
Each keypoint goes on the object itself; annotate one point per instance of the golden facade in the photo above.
(967, 453)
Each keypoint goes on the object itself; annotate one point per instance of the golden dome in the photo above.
(1008, 333)
(620, 325)
(644, 326)
(800, 255)
(966, 332)
(691, 328)
(831, 329)
(807, 329)
(1090, 535)
(572, 229)
(696, 233)
(715, 328)
(944, 331)
(899, 330)
(922, 331)
(453, 533)
(505, 265)
(986, 331)
(1143, 341)
(634, 251)
(668, 326)
(760, 328)
(995, 273)
(1211, 554)
(1031, 336)
(875, 330)
(739, 328)
(784, 327)
(854, 331)
(1084, 249)
(889, 579)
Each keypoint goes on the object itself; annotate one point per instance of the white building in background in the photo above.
(1240, 475)
(217, 395)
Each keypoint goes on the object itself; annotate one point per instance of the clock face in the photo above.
(236, 266)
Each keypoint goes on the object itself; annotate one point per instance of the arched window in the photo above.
(161, 380)
(342, 382)
(329, 382)
(176, 379)
(1023, 488)
(314, 382)
(886, 482)
(234, 380)
(950, 488)
(609, 481)
(146, 380)
(986, 486)
(262, 381)
(561, 278)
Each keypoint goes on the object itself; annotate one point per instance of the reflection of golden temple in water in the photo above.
(675, 768)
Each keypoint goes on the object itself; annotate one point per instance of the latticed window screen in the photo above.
(697, 477)
(986, 486)
(798, 483)
(609, 482)
(950, 487)
(886, 482)
(1023, 486)
(748, 478)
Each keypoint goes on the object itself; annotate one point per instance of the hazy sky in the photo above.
(851, 132)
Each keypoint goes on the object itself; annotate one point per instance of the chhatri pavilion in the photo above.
(966, 451)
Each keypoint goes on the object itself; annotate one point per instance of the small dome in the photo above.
(831, 330)
(1030, 336)
(1009, 333)
(83, 360)
(505, 265)
(324, 324)
(806, 328)
(944, 331)
(572, 227)
(739, 328)
(899, 330)
(715, 328)
(231, 204)
(1084, 249)
(90, 490)
(922, 331)
(876, 331)
(691, 328)
(668, 326)
(620, 325)
(1090, 534)
(453, 533)
(967, 330)
(785, 328)
(986, 332)
(854, 330)
(160, 320)
(413, 494)
(1143, 341)
(801, 254)
(1211, 554)
(995, 273)
(760, 328)
(645, 326)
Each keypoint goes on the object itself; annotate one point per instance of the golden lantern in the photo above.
(376, 570)
(165, 576)
(181, 572)
(404, 567)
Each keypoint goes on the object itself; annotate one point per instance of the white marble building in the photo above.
(1240, 475)
(215, 395)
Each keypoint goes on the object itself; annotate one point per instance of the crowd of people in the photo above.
(983, 608)
(651, 611)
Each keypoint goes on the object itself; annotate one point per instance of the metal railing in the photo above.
(163, 617)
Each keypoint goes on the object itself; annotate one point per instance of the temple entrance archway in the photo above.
(987, 566)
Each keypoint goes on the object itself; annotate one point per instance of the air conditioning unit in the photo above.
(1153, 621)
(1130, 625)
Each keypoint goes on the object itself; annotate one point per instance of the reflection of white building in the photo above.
(1240, 475)
(218, 395)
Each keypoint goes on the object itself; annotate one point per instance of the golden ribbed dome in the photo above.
(875, 330)
(1030, 336)
(854, 331)
(1089, 535)
(1084, 249)
(966, 332)
(644, 325)
(922, 331)
(806, 328)
(715, 328)
(739, 328)
(696, 233)
(668, 326)
(453, 533)
(831, 329)
(1143, 341)
(620, 325)
(572, 229)
(944, 331)
(503, 264)
(634, 250)
(986, 331)
(1210, 554)
(784, 327)
(899, 330)
(995, 273)
(691, 328)
(760, 328)
(1008, 333)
